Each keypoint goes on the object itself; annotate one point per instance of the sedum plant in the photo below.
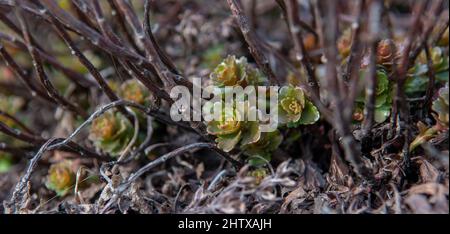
(231, 129)
(258, 174)
(386, 56)
(232, 71)
(440, 61)
(133, 90)
(383, 99)
(111, 133)
(294, 109)
(418, 76)
(60, 178)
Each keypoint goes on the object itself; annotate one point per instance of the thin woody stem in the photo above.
(252, 42)
(301, 54)
(37, 62)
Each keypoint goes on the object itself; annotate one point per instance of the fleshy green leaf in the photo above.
(228, 142)
(310, 114)
(251, 134)
(382, 113)
(382, 81)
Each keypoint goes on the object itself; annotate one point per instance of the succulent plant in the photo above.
(232, 129)
(60, 177)
(294, 109)
(440, 61)
(259, 174)
(418, 77)
(232, 72)
(133, 90)
(111, 132)
(386, 53)
(383, 99)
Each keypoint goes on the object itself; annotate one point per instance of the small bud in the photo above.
(111, 132)
(60, 178)
(358, 115)
(310, 42)
(440, 63)
(230, 129)
(133, 90)
(385, 52)
(259, 175)
(234, 71)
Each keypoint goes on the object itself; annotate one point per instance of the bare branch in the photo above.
(252, 42)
